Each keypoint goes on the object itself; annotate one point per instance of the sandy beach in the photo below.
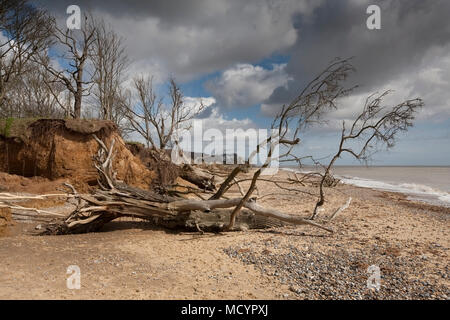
(129, 259)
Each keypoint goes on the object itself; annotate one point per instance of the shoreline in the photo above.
(414, 196)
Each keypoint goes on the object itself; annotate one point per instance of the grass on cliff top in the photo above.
(15, 127)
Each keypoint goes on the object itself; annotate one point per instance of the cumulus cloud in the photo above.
(190, 38)
(220, 121)
(195, 103)
(218, 134)
(246, 85)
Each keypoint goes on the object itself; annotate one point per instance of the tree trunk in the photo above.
(77, 106)
(198, 177)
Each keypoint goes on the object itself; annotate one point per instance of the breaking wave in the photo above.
(414, 191)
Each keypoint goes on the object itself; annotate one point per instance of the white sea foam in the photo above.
(445, 198)
(415, 191)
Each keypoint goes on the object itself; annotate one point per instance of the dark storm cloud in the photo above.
(409, 30)
(169, 11)
(190, 38)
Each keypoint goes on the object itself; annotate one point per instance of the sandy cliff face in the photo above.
(57, 149)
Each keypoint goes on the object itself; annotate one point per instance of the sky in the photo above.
(248, 58)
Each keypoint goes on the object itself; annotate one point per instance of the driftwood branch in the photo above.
(12, 197)
(41, 213)
(339, 210)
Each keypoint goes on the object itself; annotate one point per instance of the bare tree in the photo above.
(152, 119)
(76, 45)
(109, 62)
(375, 127)
(24, 32)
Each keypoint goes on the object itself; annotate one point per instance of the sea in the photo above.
(420, 183)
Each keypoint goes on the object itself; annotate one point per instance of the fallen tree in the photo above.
(115, 199)
(375, 127)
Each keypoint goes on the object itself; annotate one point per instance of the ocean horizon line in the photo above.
(372, 166)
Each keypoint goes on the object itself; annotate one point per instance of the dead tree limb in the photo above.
(41, 213)
(224, 186)
(375, 128)
(339, 210)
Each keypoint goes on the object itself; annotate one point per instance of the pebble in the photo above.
(339, 274)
